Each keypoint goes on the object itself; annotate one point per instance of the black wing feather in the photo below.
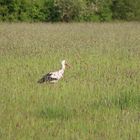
(46, 78)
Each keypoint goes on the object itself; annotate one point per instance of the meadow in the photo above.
(98, 97)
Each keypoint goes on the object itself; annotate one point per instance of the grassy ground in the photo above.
(98, 98)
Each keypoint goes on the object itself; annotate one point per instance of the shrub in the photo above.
(69, 10)
(3, 12)
(126, 9)
(51, 11)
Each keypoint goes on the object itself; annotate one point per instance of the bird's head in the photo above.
(65, 64)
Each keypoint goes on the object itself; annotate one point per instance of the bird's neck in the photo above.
(63, 67)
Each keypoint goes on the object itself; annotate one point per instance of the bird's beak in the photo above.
(67, 65)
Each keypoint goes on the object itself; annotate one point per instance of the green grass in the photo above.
(99, 96)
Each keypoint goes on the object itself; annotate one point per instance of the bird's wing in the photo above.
(44, 78)
(50, 77)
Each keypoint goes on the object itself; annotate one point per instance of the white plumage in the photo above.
(54, 76)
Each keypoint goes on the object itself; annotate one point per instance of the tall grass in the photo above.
(99, 96)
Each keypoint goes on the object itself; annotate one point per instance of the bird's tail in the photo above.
(40, 81)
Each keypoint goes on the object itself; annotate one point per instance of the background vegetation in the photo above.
(69, 10)
(98, 97)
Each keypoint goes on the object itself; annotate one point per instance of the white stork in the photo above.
(53, 77)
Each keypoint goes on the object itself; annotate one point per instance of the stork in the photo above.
(53, 77)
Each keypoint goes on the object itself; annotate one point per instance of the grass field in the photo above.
(99, 96)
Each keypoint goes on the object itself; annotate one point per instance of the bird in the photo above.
(54, 77)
